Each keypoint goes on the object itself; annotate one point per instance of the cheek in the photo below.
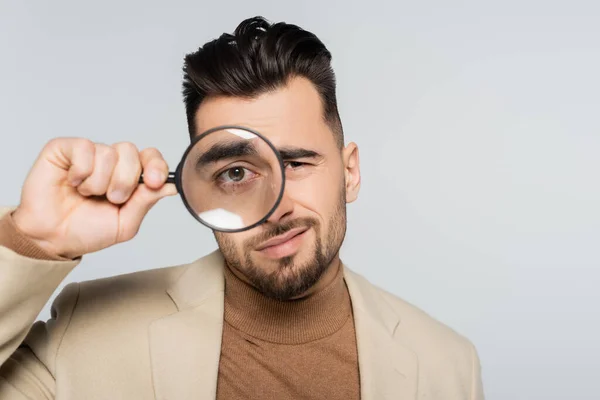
(318, 193)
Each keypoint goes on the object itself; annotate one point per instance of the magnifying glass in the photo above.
(230, 178)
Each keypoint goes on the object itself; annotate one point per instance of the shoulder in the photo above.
(135, 283)
(103, 310)
(434, 342)
(133, 293)
(141, 296)
(114, 312)
(419, 325)
(449, 363)
(119, 303)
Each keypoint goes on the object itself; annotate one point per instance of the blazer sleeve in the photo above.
(476, 382)
(27, 349)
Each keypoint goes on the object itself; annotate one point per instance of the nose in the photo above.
(283, 210)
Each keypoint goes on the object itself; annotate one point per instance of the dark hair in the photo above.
(259, 57)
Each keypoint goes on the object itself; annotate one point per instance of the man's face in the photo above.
(286, 255)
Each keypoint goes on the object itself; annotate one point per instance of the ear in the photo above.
(351, 171)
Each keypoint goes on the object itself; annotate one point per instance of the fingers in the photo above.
(97, 169)
(105, 161)
(145, 196)
(74, 155)
(155, 168)
(126, 173)
(82, 161)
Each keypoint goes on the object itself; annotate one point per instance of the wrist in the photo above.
(29, 244)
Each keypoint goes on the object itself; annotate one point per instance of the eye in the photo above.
(235, 175)
(293, 164)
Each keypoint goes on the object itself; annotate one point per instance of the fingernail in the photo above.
(75, 182)
(156, 176)
(117, 196)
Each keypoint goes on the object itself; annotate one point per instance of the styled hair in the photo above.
(257, 58)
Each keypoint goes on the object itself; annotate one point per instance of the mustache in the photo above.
(280, 229)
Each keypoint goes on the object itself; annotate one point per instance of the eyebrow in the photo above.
(224, 151)
(290, 153)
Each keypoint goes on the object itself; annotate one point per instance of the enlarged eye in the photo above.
(235, 175)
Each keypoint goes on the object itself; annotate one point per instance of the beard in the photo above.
(291, 277)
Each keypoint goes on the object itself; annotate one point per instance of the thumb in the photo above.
(141, 201)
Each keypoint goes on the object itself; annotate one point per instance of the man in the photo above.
(240, 323)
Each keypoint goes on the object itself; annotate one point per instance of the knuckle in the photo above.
(54, 143)
(151, 153)
(158, 163)
(84, 144)
(107, 153)
(126, 147)
(84, 154)
(86, 148)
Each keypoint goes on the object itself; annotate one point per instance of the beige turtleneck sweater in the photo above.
(300, 349)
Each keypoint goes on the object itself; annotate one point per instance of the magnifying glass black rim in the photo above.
(179, 185)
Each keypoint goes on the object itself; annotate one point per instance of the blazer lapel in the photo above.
(388, 369)
(185, 346)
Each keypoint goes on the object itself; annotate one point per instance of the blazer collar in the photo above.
(185, 347)
(388, 367)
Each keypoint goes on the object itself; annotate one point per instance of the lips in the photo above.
(281, 238)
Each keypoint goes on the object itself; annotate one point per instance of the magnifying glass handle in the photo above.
(170, 178)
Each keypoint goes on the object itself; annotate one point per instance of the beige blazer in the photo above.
(156, 334)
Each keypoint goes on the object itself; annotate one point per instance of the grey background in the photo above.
(479, 136)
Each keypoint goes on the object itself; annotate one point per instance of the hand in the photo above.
(80, 197)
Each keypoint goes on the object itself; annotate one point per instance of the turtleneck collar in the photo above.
(287, 322)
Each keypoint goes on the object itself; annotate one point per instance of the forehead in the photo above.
(289, 116)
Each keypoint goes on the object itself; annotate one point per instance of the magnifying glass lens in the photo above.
(231, 179)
